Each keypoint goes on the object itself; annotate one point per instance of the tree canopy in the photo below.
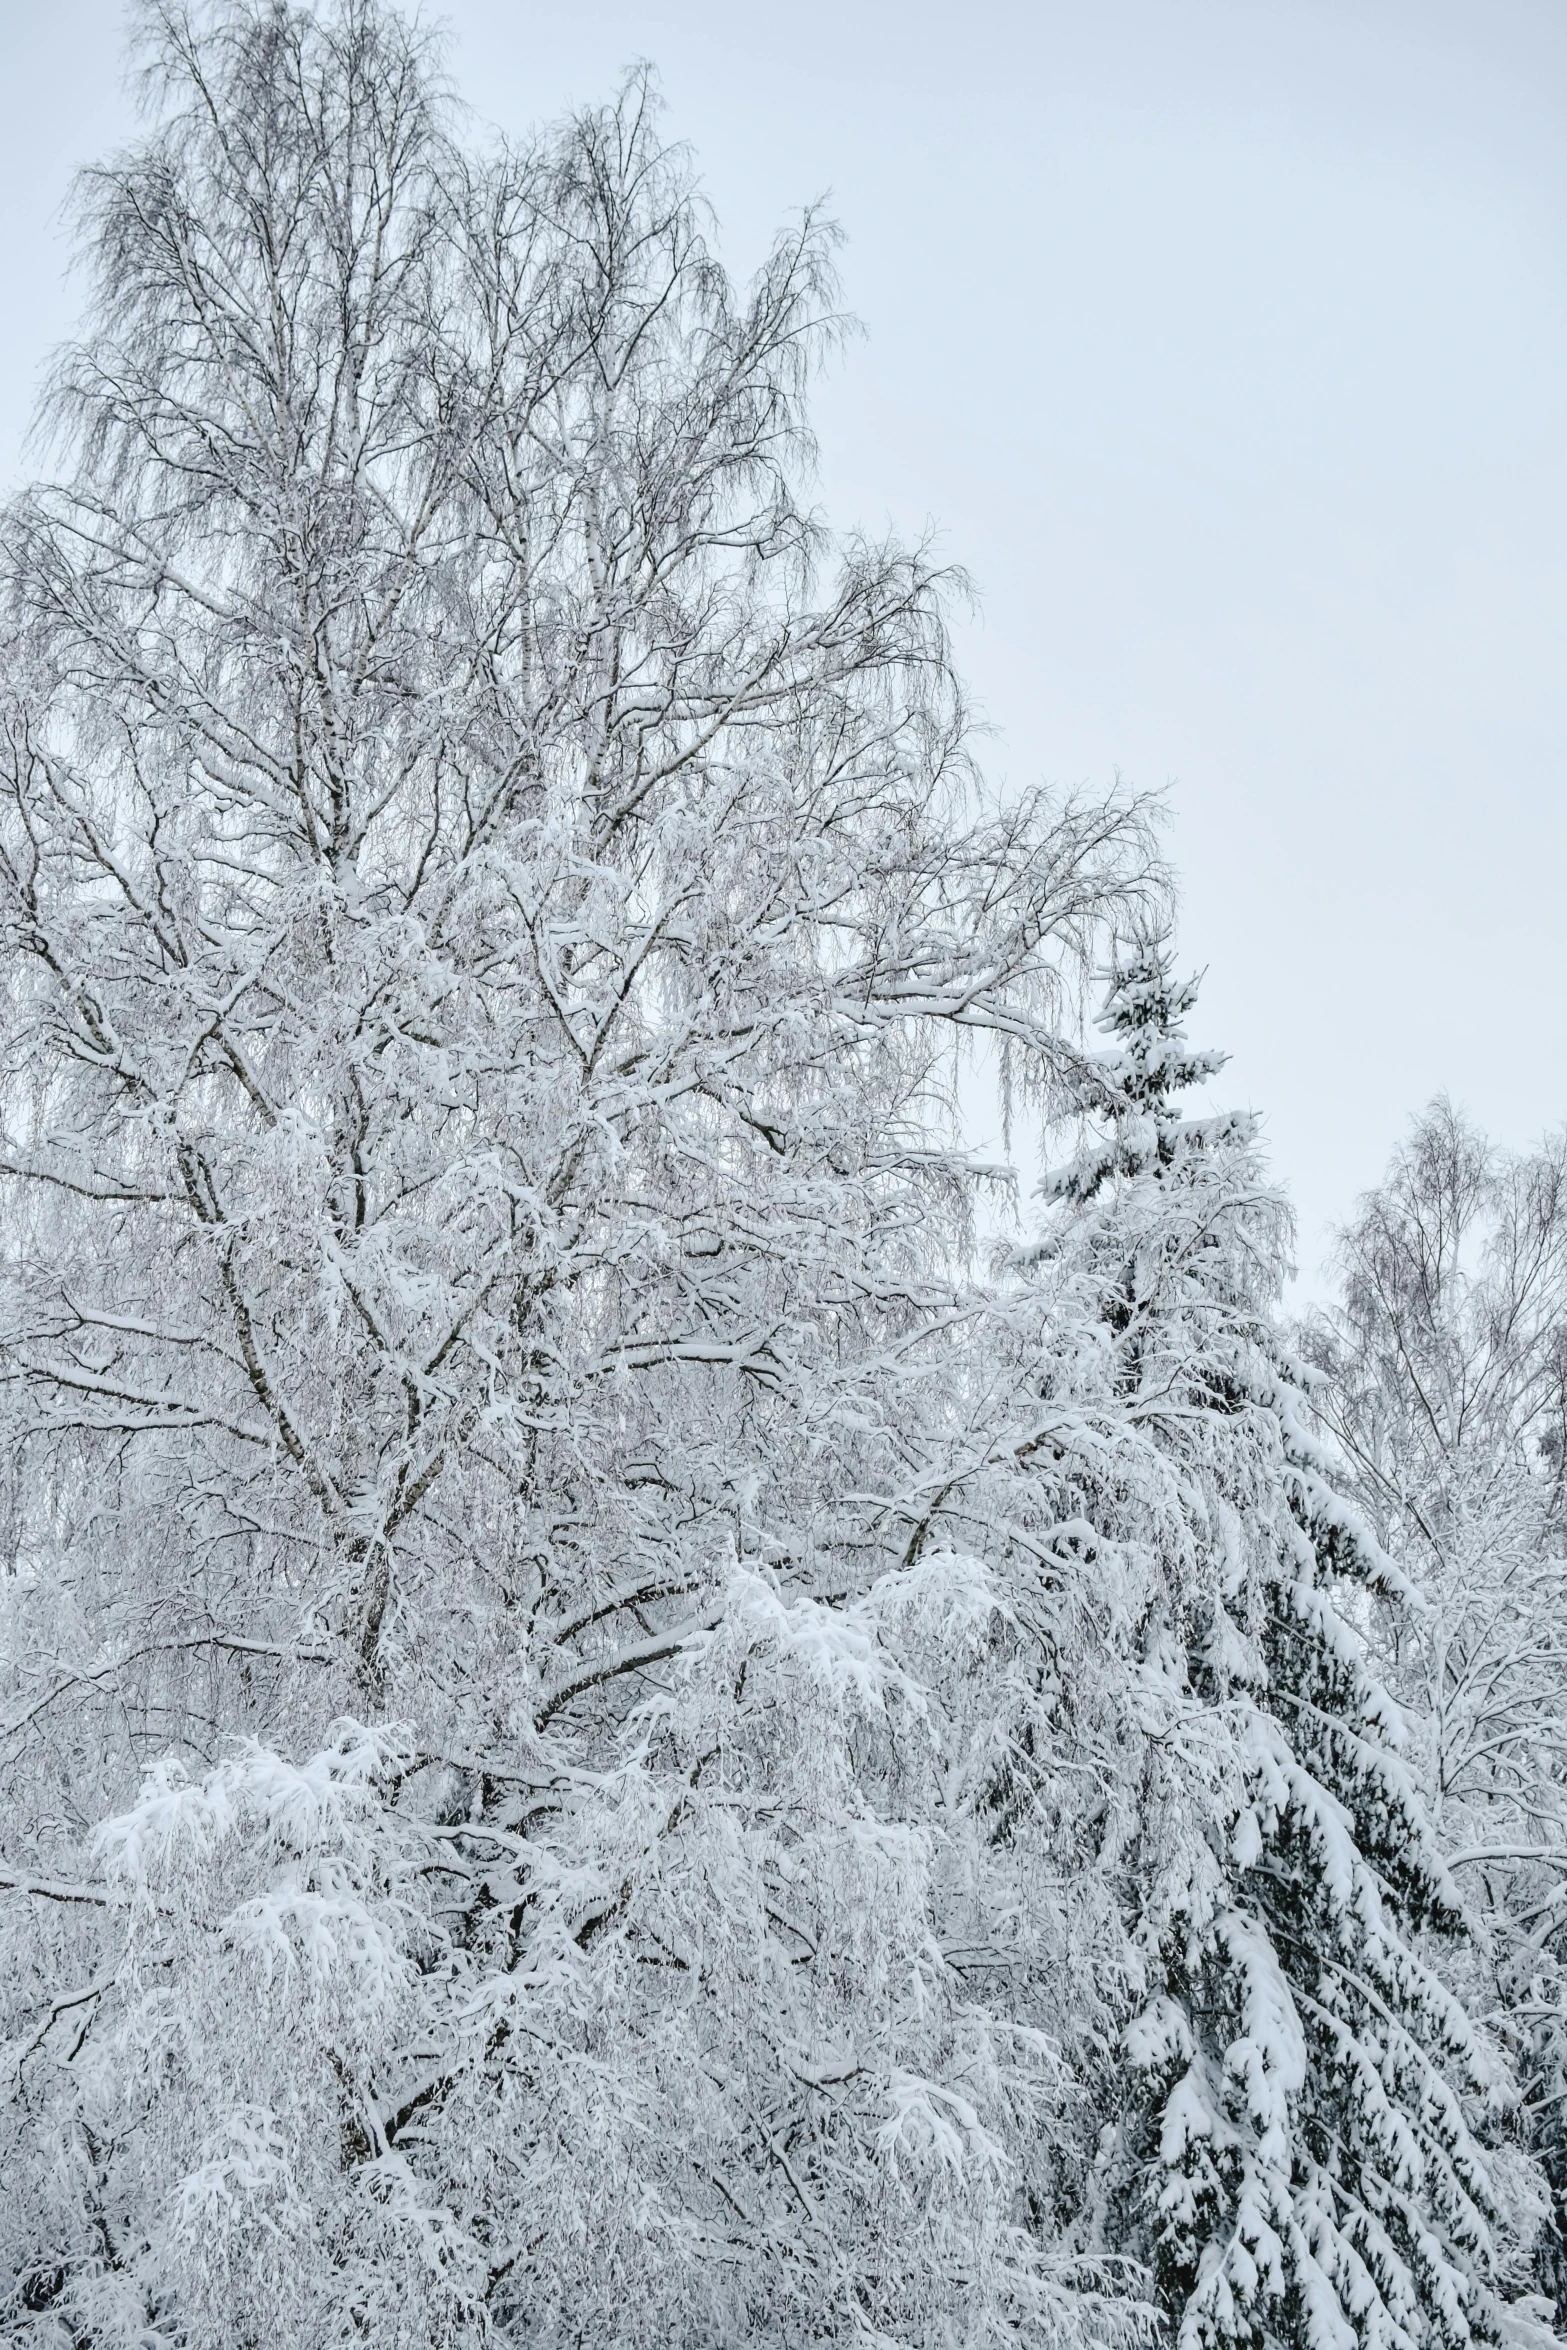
(616, 1732)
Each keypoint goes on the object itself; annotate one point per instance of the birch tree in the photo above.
(493, 893)
(1445, 1388)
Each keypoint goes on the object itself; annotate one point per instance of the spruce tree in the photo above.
(1286, 2140)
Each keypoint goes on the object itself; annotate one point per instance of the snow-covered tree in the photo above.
(1285, 2136)
(603, 1745)
(1445, 1391)
(499, 1779)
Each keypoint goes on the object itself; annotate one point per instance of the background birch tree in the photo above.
(1445, 1388)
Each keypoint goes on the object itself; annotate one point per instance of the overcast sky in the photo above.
(1226, 345)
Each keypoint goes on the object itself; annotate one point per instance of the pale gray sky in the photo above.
(1225, 341)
